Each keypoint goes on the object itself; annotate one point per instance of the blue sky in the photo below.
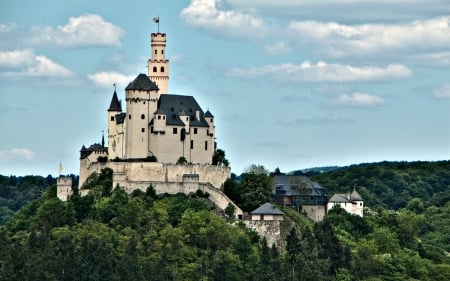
(292, 84)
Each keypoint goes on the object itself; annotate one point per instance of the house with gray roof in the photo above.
(351, 202)
(267, 212)
(302, 194)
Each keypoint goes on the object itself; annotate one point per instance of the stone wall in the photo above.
(315, 212)
(171, 178)
(271, 230)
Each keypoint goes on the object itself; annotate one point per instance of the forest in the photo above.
(109, 235)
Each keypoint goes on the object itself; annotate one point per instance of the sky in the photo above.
(292, 84)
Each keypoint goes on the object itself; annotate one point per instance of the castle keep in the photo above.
(161, 139)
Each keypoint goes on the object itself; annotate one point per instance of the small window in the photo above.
(195, 131)
(129, 116)
(162, 52)
(112, 118)
(162, 68)
(155, 69)
(187, 118)
(142, 130)
(175, 131)
(142, 116)
(156, 52)
(192, 144)
(159, 117)
(206, 145)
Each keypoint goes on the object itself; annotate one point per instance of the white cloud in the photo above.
(341, 40)
(27, 63)
(359, 100)
(211, 15)
(16, 153)
(279, 48)
(443, 92)
(371, 10)
(16, 58)
(85, 30)
(315, 120)
(107, 79)
(307, 72)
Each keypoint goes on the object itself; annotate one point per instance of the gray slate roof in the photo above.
(267, 209)
(115, 104)
(175, 106)
(85, 152)
(287, 183)
(142, 83)
(346, 197)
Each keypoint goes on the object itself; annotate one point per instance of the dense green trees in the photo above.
(17, 191)
(110, 235)
(391, 185)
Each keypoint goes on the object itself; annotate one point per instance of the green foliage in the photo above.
(182, 160)
(219, 158)
(15, 192)
(391, 185)
(109, 235)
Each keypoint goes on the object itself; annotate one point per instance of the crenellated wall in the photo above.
(170, 178)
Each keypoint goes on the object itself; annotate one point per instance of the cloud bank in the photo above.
(108, 79)
(211, 15)
(323, 72)
(27, 63)
(85, 30)
(358, 100)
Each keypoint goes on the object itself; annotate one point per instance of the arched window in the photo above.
(154, 69)
(156, 52)
(142, 116)
(162, 68)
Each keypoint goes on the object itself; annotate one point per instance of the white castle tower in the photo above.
(158, 65)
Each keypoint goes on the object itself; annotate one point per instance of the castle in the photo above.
(161, 139)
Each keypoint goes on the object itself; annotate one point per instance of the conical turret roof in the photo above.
(142, 83)
(115, 104)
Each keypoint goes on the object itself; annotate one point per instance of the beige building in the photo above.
(158, 124)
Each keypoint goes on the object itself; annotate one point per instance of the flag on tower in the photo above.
(156, 19)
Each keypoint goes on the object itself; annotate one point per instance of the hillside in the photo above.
(391, 185)
(109, 235)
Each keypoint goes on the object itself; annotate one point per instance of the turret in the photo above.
(113, 111)
(141, 96)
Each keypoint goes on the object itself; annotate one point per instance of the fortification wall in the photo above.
(170, 178)
(158, 172)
